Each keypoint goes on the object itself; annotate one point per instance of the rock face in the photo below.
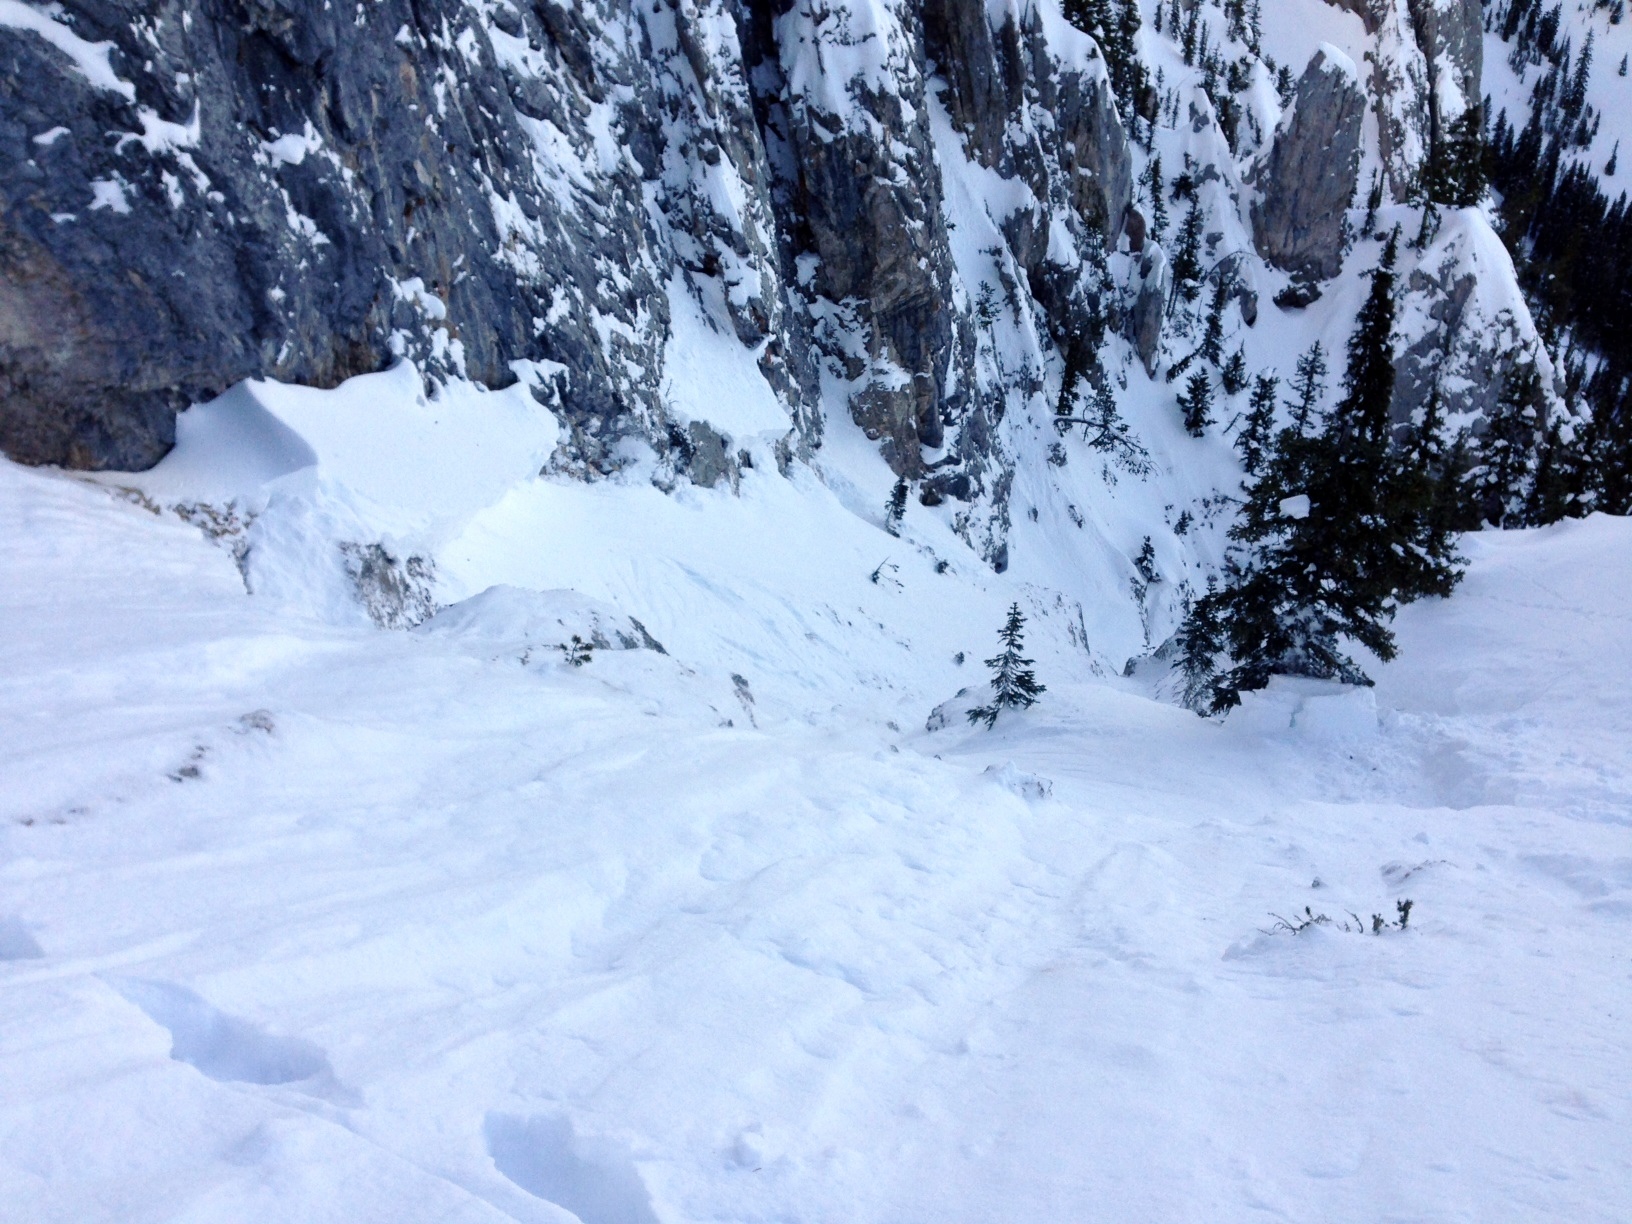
(1308, 179)
(289, 189)
(195, 193)
(1147, 306)
(1425, 72)
(1475, 326)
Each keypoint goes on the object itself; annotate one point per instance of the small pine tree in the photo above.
(1191, 28)
(1308, 386)
(1455, 175)
(1255, 436)
(577, 652)
(1504, 481)
(1104, 429)
(1374, 201)
(1158, 200)
(1234, 373)
(1425, 500)
(1212, 338)
(1197, 404)
(1014, 684)
(1562, 484)
(1199, 641)
(896, 509)
(1187, 253)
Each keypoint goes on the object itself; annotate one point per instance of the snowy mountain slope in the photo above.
(624, 200)
(304, 919)
(1512, 77)
(301, 918)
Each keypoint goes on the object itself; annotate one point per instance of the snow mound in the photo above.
(1319, 710)
(1026, 785)
(954, 711)
(515, 619)
(592, 1178)
(17, 942)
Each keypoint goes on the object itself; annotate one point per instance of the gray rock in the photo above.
(1451, 34)
(1309, 176)
(1142, 321)
(296, 191)
(280, 188)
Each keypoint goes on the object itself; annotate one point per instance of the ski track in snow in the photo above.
(300, 921)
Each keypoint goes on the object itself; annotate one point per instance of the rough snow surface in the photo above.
(305, 920)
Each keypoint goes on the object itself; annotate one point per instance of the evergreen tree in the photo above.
(896, 509)
(1427, 503)
(1559, 489)
(1234, 373)
(1113, 25)
(1374, 200)
(1199, 642)
(1456, 167)
(1503, 483)
(1212, 338)
(1335, 532)
(1255, 436)
(1014, 685)
(1104, 429)
(1187, 254)
(1308, 386)
(1158, 202)
(1197, 404)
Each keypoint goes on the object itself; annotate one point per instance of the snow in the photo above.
(90, 59)
(709, 375)
(1295, 507)
(302, 919)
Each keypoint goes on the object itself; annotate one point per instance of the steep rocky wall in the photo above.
(192, 194)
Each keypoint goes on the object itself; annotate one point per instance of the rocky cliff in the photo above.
(919, 216)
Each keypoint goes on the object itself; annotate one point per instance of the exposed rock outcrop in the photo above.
(1475, 327)
(1147, 306)
(1425, 72)
(1308, 179)
(192, 194)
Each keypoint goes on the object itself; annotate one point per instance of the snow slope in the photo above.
(305, 920)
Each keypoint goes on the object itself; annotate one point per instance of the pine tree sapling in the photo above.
(1212, 338)
(1014, 685)
(896, 509)
(1234, 374)
(1187, 252)
(1197, 404)
(1308, 386)
(1255, 436)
